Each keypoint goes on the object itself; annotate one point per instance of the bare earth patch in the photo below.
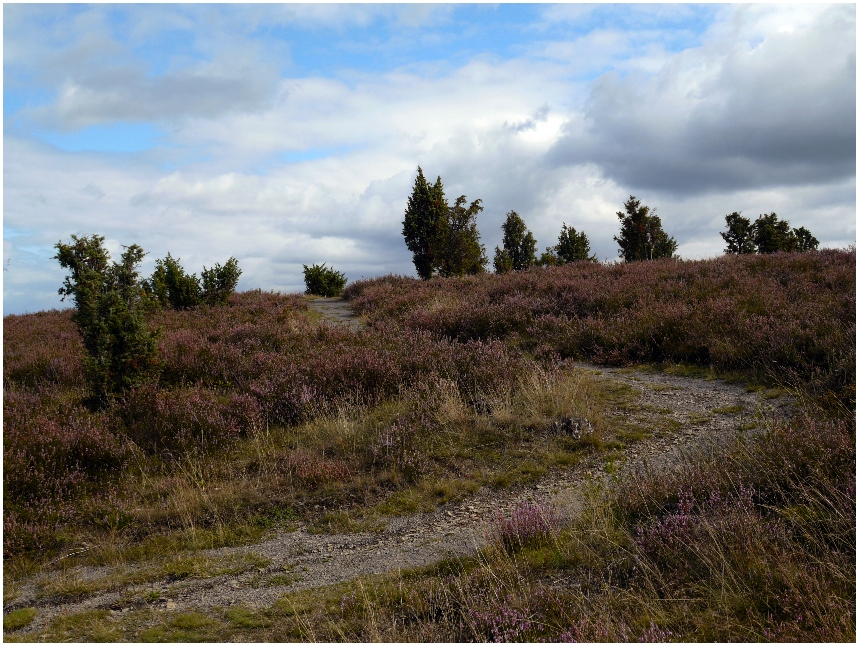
(334, 310)
(691, 415)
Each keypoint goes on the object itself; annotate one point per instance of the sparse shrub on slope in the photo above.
(220, 282)
(322, 281)
(226, 373)
(110, 308)
(171, 286)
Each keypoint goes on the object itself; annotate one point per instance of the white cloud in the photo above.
(281, 170)
(730, 115)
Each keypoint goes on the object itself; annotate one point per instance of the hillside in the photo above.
(454, 393)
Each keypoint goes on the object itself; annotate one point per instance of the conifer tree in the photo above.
(463, 253)
(641, 234)
(739, 234)
(110, 307)
(520, 247)
(425, 224)
(771, 234)
(573, 246)
(804, 240)
(767, 234)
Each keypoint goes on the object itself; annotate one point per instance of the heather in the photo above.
(754, 543)
(252, 376)
(259, 415)
(787, 317)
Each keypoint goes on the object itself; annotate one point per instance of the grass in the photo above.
(68, 585)
(763, 552)
(501, 446)
(728, 410)
(18, 619)
(262, 421)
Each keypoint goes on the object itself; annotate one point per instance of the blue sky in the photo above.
(286, 135)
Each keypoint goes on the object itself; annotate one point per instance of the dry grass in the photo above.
(263, 420)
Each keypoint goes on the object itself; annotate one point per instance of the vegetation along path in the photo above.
(700, 413)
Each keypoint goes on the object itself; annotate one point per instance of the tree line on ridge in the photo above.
(444, 239)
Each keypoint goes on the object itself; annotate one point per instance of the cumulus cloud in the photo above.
(282, 167)
(729, 115)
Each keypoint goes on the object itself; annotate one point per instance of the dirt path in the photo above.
(335, 310)
(706, 412)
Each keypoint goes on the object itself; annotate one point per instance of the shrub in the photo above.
(110, 307)
(641, 235)
(519, 246)
(321, 281)
(529, 521)
(170, 285)
(219, 282)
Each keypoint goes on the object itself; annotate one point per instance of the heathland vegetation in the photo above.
(248, 416)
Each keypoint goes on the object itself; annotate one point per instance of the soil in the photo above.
(301, 560)
(334, 310)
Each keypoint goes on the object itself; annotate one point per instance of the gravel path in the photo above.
(334, 310)
(300, 560)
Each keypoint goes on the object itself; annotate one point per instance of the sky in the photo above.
(290, 135)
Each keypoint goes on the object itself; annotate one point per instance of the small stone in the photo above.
(171, 605)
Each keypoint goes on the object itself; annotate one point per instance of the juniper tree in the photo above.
(771, 235)
(739, 235)
(171, 286)
(323, 281)
(425, 224)
(573, 246)
(463, 253)
(767, 234)
(520, 247)
(641, 234)
(218, 283)
(110, 305)
(804, 240)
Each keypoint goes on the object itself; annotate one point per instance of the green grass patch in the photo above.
(241, 617)
(186, 627)
(342, 522)
(729, 410)
(699, 418)
(526, 472)
(18, 618)
(87, 626)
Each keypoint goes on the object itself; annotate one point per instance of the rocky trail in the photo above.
(334, 310)
(706, 412)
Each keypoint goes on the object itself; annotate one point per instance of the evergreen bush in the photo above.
(110, 307)
(322, 281)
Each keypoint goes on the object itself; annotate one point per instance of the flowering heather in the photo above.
(528, 522)
(783, 316)
(42, 349)
(226, 372)
(503, 623)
